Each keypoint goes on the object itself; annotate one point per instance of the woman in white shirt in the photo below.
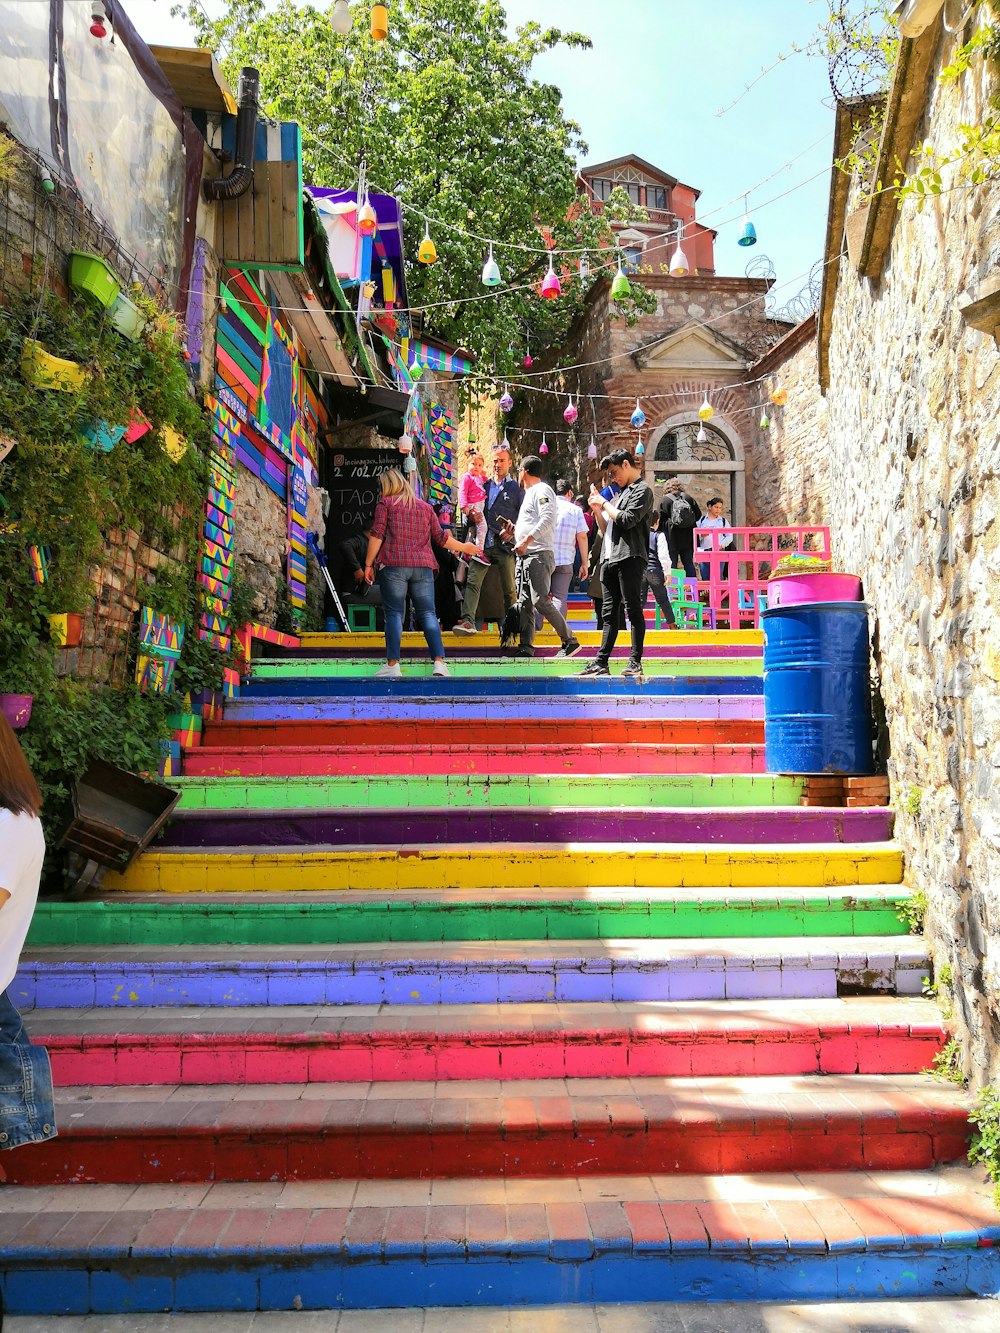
(26, 1103)
(713, 519)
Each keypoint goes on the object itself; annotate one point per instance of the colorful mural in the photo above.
(160, 643)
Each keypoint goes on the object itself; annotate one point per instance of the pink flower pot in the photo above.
(16, 708)
(795, 589)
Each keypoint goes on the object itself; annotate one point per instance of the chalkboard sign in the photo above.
(352, 480)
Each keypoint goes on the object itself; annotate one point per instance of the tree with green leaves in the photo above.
(447, 116)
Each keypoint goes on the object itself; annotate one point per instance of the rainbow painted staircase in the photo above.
(509, 989)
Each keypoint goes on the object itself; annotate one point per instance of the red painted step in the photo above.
(474, 733)
(736, 1039)
(551, 1127)
(389, 760)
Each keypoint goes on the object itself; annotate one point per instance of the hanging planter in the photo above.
(46, 371)
(174, 444)
(16, 708)
(137, 427)
(102, 437)
(127, 318)
(93, 278)
(66, 630)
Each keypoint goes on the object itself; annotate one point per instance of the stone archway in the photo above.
(717, 465)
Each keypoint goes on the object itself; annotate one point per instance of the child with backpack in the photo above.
(680, 513)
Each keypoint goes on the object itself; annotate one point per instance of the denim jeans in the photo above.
(394, 583)
(27, 1111)
(705, 570)
(622, 585)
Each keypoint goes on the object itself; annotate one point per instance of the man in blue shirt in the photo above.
(503, 501)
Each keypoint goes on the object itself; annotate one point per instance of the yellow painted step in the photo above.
(374, 644)
(510, 866)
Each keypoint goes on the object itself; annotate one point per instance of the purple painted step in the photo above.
(283, 828)
(496, 708)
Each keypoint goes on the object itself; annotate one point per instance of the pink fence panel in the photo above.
(738, 573)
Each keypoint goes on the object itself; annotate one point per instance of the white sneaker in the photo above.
(391, 671)
(440, 669)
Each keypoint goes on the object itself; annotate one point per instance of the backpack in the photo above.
(682, 513)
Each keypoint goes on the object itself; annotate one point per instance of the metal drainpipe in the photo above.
(240, 178)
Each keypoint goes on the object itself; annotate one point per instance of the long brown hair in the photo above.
(18, 789)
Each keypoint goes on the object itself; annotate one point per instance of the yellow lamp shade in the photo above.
(174, 444)
(367, 219)
(380, 22)
(706, 412)
(779, 397)
(427, 254)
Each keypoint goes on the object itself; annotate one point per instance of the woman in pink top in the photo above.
(472, 499)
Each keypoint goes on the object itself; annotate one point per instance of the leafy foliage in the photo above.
(913, 910)
(947, 1064)
(448, 117)
(985, 1149)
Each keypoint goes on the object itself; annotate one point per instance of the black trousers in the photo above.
(621, 585)
(680, 544)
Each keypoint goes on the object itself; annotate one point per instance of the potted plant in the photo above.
(46, 371)
(22, 667)
(93, 278)
(66, 630)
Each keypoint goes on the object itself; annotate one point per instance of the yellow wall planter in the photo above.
(174, 443)
(46, 371)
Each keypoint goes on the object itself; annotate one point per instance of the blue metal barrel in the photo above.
(817, 702)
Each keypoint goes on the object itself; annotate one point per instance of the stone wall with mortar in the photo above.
(903, 461)
(261, 528)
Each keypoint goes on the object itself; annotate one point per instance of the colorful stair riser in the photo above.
(297, 675)
(614, 702)
(510, 688)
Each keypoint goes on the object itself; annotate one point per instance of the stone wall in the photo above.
(261, 528)
(904, 464)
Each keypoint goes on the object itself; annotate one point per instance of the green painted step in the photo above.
(323, 668)
(349, 917)
(438, 792)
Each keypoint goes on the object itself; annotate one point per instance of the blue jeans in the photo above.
(27, 1111)
(705, 570)
(394, 583)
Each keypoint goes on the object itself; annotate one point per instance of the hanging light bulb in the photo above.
(679, 263)
(543, 448)
(492, 277)
(380, 22)
(571, 413)
(367, 218)
(765, 420)
(620, 286)
(98, 20)
(748, 232)
(706, 411)
(702, 436)
(506, 443)
(551, 286)
(779, 396)
(640, 448)
(584, 269)
(340, 19)
(592, 448)
(427, 254)
(638, 417)
(506, 401)
(529, 361)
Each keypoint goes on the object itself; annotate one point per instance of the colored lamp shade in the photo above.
(406, 444)
(529, 360)
(584, 269)
(543, 448)
(367, 219)
(506, 402)
(492, 277)
(706, 412)
(380, 22)
(620, 287)
(427, 254)
(571, 413)
(748, 234)
(340, 19)
(640, 448)
(638, 417)
(779, 396)
(679, 267)
(765, 421)
(592, 449)
(551, 286)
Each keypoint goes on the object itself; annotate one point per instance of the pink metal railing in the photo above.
(738, 598)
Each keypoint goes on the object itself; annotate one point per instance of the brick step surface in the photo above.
(477, 732)
(482, 824)
(436, 915)
(410, 1244)
(605, 757)
(298, 676)
(441, 792)
(513, 865)
(510, 685)
(473, 1042)
(473, 973)
(621, 704)
(531, 1127)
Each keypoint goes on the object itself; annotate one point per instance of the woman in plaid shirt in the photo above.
(400, 554)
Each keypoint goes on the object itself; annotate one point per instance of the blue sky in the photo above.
(659, 74)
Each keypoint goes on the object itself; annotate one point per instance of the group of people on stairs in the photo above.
(531, 533)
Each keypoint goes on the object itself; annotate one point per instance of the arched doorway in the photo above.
(712, 466)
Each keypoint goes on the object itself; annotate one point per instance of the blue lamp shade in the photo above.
(748, 234)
